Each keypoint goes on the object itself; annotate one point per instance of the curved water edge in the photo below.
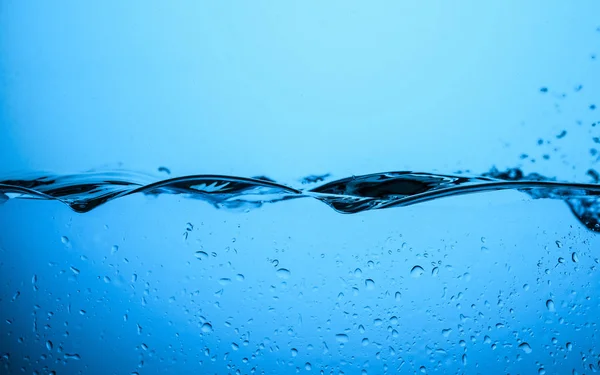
(84, 192)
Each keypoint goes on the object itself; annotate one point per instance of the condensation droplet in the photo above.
(417, 271)
(283, 273)
(525, 347)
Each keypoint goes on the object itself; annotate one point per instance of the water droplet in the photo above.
(239, 277)
(206, 328)
(307, 366)
(224, 281)
(65, 240)
(558, 244)
(417, 271)
(201, 255)
(550, 305)
(74, 357)
(369, 284)
(49, 345)
(446, 332)
(525, 347)
(464, 359)
(294, 352)
(283, 273)
(569, 346)
(341, 338)
(397, 296)
(574, 257)
(357, 272)
(435, 271)
(114, 249)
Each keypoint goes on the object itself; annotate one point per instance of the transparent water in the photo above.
(330, 188)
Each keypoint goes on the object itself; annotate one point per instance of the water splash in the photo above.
(84, 192)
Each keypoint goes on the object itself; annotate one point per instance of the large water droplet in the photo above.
(357, 272)
(369, 284)
(574, 257)
(417, 271)
(550, 305)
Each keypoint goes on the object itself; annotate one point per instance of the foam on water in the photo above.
(84, 192)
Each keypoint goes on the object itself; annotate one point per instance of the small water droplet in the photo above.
(417, 271)
(201, 255)
(307, 366)
(74, 357)
(357, 272)
(65, 240)
(525, 347)
(283, 273)
(369, 284)
(206, 328)
(550, 305)
(397, 296)
(569, 346)
(74, 270)
(114, 249)
(558, 244)
(435, 271)
(49, 345)
(341, 338)
(240, 277)
(294, 352)
(446, 332)
(224, 281)
(574, 257)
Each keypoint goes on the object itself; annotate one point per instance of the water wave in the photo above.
(84, 192)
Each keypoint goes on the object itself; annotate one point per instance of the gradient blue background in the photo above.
(288, 89)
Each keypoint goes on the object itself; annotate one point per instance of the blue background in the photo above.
(288, 89)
